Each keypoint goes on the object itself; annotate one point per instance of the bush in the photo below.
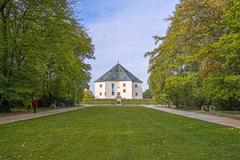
(184, 91)
(138, 101)
(223, 91)
(98, 101)
(113, 101)
(45, 102)
(147, 94)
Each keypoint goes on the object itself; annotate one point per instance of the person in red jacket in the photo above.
(35, 104)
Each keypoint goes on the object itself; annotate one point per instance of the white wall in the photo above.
(98, 90)
(137, 89)
(119, 87)
(109, 89)
(128, 88)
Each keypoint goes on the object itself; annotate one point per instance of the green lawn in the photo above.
(118, 133)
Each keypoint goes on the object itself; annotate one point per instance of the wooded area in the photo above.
(198, 61)
(42, 52)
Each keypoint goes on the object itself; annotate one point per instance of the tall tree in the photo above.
(42, 49)
(200, 51)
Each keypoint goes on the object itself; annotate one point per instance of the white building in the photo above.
(118, 81)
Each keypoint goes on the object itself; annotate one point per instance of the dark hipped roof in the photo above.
(118, 73)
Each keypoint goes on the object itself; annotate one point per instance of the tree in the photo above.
(147, 94)
(42, 49)
(198, 59)
(88, 94)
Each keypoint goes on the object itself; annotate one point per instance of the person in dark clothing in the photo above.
(35, 104)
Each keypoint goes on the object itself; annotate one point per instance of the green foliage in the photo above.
(87, 94)
(98, 101)
(138, 101)
(147, 94)
(184, 90)
(198, 61)
(223, 91)
(42, 48)
(113, 101)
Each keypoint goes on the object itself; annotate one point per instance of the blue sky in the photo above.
(122, 30)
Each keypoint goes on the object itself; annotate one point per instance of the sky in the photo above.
(123, 30)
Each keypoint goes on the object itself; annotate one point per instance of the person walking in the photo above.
(35, 104)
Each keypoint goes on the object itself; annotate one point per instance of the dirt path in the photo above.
(205, 117)
(30, 115)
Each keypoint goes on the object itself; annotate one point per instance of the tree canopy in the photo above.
(147, 94)
(42, 52)
(198, 61)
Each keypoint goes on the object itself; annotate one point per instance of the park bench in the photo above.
(208, 108)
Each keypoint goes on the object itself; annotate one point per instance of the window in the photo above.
(124, 90)
(113, 89)
(100, 93)
(136, 94)
(136, 85)
(105, 93)
(100, 85)
(118, 93)
(124, 84)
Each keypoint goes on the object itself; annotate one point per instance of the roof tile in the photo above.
(118, 73)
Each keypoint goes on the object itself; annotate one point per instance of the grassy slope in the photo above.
(123, 133)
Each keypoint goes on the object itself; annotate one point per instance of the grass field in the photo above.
(118, 133)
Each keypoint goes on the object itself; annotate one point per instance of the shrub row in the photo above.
(113, 101)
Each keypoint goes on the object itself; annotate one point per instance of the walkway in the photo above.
(204, 117)
(30, 115)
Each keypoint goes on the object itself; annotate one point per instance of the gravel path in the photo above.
(31, 115)
(204, 117)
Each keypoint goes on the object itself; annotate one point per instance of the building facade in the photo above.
(118, 81)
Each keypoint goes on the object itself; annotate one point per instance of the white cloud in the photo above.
(127, 36)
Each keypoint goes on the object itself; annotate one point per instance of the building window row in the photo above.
(113, 89)
(124, 85)
(124, 91)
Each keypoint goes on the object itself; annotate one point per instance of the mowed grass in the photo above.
(118, 133)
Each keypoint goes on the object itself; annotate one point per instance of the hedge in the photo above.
(113, 101)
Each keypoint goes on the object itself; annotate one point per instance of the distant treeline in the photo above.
(42, 52)
(198, 61)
